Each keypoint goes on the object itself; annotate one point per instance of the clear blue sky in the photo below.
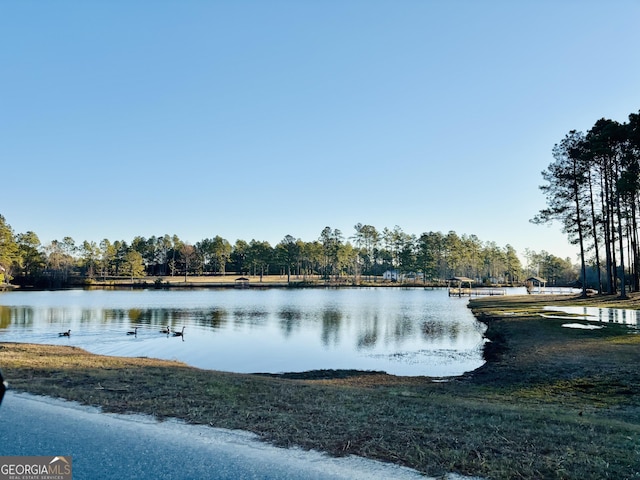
(258, 119)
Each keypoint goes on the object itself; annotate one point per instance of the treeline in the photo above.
(593, 188)
(365, 255)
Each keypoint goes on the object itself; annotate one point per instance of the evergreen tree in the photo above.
(565, 193)
(9, 253)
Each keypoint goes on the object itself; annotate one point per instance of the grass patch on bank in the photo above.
(552, 402)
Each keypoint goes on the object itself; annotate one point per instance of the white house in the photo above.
(391, 275)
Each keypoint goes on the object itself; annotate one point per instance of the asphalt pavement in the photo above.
(114, 446)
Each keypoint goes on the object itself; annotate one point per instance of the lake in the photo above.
(400, 331)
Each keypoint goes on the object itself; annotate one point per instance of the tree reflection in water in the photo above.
(401, 331)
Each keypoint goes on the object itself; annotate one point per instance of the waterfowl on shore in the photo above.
(65, 334)
(166, 330)
(179, 334)
(134, 332)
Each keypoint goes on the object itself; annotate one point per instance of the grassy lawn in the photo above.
(551, 402)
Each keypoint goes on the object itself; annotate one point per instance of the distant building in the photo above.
(533, 283)
(395, 276)
(391, 275)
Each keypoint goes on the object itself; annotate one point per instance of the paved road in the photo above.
(123, 447)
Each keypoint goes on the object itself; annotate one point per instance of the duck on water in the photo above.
(179, 334)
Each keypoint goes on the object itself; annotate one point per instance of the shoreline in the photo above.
(549, 402)
(241, 281)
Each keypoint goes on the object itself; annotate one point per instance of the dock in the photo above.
(554, 290)
(475, 292)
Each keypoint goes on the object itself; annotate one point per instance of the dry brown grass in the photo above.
(552, 403)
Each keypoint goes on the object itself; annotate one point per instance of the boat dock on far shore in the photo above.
(475, 292)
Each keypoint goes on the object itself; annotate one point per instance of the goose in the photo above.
(65, 334)
(179, 334)
(166, 330)
(135, 332)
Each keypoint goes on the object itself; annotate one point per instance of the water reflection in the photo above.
(290, 321)
(369, 335)
(331, 327)
(620, 316)
(404, 332)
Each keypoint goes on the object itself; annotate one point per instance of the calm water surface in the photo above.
(621, 316)
(400, 331)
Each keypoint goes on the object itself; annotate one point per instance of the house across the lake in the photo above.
(395, 276)
(390, 275)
